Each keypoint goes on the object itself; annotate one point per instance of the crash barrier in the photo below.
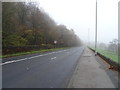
(113, 65)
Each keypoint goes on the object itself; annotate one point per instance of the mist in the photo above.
(80, 16)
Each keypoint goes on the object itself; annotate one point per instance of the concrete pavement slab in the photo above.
(93, 72)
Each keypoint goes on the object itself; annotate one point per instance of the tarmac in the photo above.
(93, 72)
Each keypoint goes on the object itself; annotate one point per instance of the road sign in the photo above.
(55, 42)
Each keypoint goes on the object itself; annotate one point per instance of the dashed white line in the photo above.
(53, 58)
(32, 57)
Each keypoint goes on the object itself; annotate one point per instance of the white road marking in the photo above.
(61, 51)
(31, 57)
(14, 61)
(53, 58)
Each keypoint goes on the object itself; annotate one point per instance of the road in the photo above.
(47, 70)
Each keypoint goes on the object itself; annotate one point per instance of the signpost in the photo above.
(55, 42)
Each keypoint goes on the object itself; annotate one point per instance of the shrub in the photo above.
(14, 40)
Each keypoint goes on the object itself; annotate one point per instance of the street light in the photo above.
(88, 37)
(96, 32)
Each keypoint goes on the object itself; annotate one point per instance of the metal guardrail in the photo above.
(113, 64)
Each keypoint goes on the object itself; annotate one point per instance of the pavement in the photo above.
(42, 70)
(93, 72)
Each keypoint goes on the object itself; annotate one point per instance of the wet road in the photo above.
(47, 70)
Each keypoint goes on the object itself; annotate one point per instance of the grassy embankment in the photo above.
(108, 54)
(29, 52)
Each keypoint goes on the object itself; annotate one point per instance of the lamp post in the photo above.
(96, 32)
(88, 37)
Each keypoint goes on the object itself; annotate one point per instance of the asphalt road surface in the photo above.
(46, 70)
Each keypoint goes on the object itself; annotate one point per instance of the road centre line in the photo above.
(53, 58)
(30, 57)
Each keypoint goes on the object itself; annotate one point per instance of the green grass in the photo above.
(108, 54)
(30, 52)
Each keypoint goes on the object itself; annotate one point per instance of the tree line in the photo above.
(24, 23)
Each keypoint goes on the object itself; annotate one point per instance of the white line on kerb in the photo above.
(31, 57)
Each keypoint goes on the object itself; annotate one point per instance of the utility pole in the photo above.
(96, 32)
(88, 37)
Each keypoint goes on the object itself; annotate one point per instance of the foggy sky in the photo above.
(80, 16)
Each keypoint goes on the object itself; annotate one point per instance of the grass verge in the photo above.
(108, 54)
(29, 52)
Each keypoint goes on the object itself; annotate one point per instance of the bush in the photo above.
(14, 40)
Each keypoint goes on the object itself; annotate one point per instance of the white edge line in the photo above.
(31, 57)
